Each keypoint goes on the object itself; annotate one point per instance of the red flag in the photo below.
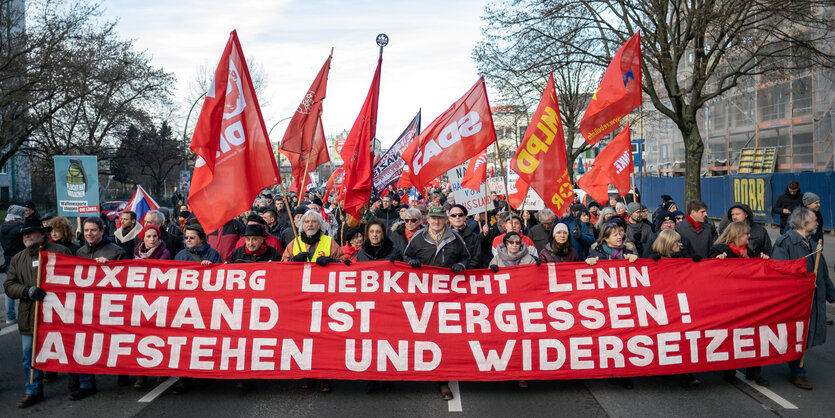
(405, 181)
(541, 159)
(357, 152)
(476, 173)
(304, 142)
(460, 133)
(618, 94)
(517, 199)
(234, 158)
(613, 165)
(334, 183)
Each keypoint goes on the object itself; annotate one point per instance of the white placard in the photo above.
(474, 201)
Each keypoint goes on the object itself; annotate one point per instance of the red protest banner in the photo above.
(379, 321)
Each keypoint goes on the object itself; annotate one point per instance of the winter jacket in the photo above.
(586, 236)
(225, 239)
(398, 235)
(540, 236)
(451, 249)
(503, 259)
(701, 241)
(601, 254)
(638, 233)
(787, 201)
(11, 238)
(127, 240)
(240, 255)
(22, 274)
(718, 249)
(547, 256)
(385, 251)
(389, 216)
(297, 246)
(473, 241)
(71, 245)
(685, 252)
(202, 252)
(104, 248)
(759, 240)
(791, 246)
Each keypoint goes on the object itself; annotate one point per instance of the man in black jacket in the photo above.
(21, 283)
(387, 212)
(759, 241)
(458, 222)
(786, 203)
(255, 250)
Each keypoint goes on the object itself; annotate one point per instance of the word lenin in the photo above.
(528, 159)
(232, 128)
(467, 126)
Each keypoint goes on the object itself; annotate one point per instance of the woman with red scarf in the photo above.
(733, 243)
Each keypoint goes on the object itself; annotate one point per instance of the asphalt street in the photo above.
(652, 396)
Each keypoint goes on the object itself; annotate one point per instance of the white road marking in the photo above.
(162, 387)
(8, 329)
(767, 392)
(455, 403)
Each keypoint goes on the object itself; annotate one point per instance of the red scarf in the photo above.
(696, 225)
(741, 252)
(257, 252)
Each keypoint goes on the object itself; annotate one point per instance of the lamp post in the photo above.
(277, 154)
(185, 130)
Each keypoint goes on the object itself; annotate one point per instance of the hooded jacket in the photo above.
(759, 241)
(449, 250)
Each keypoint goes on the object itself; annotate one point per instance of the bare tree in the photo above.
(516, 55)
(67, 80)
(149, 155)
(693, 51)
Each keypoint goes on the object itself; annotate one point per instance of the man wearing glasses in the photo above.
(458, 223)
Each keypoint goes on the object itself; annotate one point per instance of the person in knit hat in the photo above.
(812, 202)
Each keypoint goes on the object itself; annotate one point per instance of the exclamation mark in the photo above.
(799, 346)
(685, 308)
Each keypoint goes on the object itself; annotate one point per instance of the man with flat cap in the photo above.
(254, 250)
(21, 283)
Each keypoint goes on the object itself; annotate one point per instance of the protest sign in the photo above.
(76, 184)
(474, 201)
(388, 321)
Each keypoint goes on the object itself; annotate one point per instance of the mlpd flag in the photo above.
(476, 173)
(140, 204)
(357, 153)
(541, 160)
(460, 133)
(619, 92)
(304, 142)
(234, 157)
(612, 166)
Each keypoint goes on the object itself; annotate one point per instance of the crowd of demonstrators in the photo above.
(433, 231)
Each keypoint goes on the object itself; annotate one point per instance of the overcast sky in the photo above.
(426, 65)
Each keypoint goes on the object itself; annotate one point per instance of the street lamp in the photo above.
(185, 129)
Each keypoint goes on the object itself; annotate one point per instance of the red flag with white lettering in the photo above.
(476, 173)
(234, 157)
(613, 165)
(541, 160)
(618, 94)
(460, 133)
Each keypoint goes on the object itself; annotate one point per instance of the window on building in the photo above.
(4, 194)
(802, 96)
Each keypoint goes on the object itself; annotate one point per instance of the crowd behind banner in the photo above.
(433, 230)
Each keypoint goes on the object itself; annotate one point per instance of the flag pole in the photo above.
(817, 263)
(501, 167)
(287, 207)
(35, 329)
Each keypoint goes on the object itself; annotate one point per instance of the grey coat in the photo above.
(450, 249)
(791, 246)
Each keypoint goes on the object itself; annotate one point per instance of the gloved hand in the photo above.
(392, 259)
(591, 261)
(298, 257)
(631, 257)
(578, 234)
(458, 268)
(696, 258)
(347, 261)
(35, 293)
(656, 257)
(636, 237)
(322, 261)
(494, 268)
(414, 263)
(538, 261)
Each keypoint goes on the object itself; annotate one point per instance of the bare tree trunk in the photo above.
(693, 150)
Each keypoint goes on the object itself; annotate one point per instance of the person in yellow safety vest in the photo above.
(312, 244)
